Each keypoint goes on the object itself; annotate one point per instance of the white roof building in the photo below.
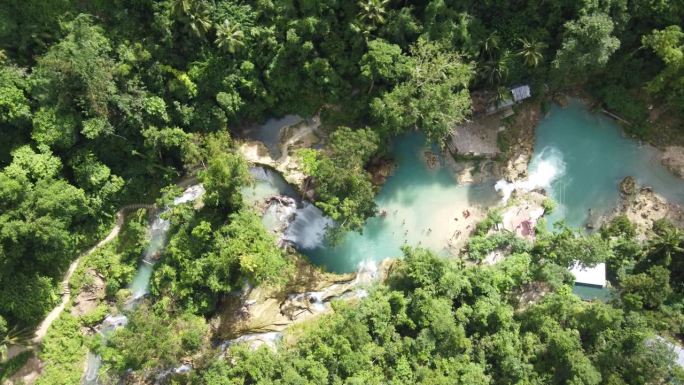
(590, 276)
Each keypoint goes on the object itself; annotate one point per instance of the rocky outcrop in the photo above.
(380, 170)
(520, 135)
(473, 171)
(262, 311)
(673, 159)
(90, 295)
(522, 215)
(644, 207)
(628, 186)
(301, 135)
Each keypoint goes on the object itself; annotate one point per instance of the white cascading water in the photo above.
(140, 284)
(545, 168)
(366, 273)
(308, 229)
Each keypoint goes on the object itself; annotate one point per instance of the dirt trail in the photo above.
(66, 292)
(30, 372)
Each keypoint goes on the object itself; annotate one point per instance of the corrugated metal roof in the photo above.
(521, 92)
(595, 276)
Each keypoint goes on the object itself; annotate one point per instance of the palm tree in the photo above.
(13, 337)
(496, 217)
(229, 36)
(193, 13)
(373, 11)
(495, 71)
(668, 241)
(531, 51)
(181, 8)
(500, 95)
(490, 45)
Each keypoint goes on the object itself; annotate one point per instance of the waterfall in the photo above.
(545, 168)
(367, 272)
(308, 229)
(255, 340)
(141, 281)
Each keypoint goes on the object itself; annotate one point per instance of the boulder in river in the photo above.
(431, 159)
(628, 185)
(380, 170)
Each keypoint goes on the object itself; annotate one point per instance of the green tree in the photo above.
(225, 175)
(384, 63)
(151, 341)
(78, 71)
(14, 105)
(668, 44)
(648, 290)
(343, 188)
(433, 98)
(588, 43)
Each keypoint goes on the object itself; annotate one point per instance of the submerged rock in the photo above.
(431, 159)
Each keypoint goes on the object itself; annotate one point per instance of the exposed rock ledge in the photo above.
(301, 135)
(521, 133)
(264, 310)
(643, 207)
(673, 159)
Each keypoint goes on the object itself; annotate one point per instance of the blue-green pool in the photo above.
(579, 157)
(594, 157)
(421, 204)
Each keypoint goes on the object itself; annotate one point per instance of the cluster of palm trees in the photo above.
(496, 62)
(194, 14)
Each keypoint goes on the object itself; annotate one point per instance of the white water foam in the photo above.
(545, 168)
(366, 272)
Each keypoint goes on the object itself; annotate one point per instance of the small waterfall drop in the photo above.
(545, 168)
(308, 229)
